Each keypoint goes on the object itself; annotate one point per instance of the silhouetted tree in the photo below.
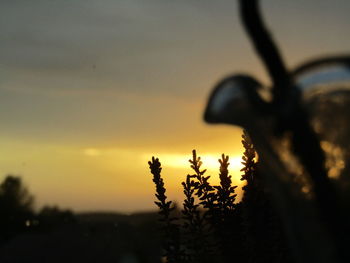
(52, 216)
(16, 207)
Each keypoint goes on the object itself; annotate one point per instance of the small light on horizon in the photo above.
(27, 223)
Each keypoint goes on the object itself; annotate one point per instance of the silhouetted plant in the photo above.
(204, 191)
(190, 211)
(229, 217)
(173, 251)
(206, 212)
(193, 220)
(249, 161)
(204, 242)
(213, 226)
(261, 227)
(225, 191)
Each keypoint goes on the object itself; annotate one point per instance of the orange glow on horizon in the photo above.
(210, 163)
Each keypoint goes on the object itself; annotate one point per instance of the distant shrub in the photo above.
(50, 217)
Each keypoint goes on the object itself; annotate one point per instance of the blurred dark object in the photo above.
(294, 133)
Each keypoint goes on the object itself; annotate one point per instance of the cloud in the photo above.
(102, 68)
(125, 45)
(54, 35)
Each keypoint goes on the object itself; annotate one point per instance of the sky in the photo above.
(91, 90)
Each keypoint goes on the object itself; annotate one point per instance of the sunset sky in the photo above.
(90, 90)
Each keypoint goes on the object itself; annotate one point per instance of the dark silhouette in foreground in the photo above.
(296, 141)
(212, 226)
(301, 137)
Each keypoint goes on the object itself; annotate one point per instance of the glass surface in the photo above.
(326, 96)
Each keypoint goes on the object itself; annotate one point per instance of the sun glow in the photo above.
(210, 161)
(92, 152)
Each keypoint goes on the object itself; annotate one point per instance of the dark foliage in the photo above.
(172, 249)
(261, 226)
(50, 217)
(193, 222)
(16, 208)
(18, 215)
(216, 228)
